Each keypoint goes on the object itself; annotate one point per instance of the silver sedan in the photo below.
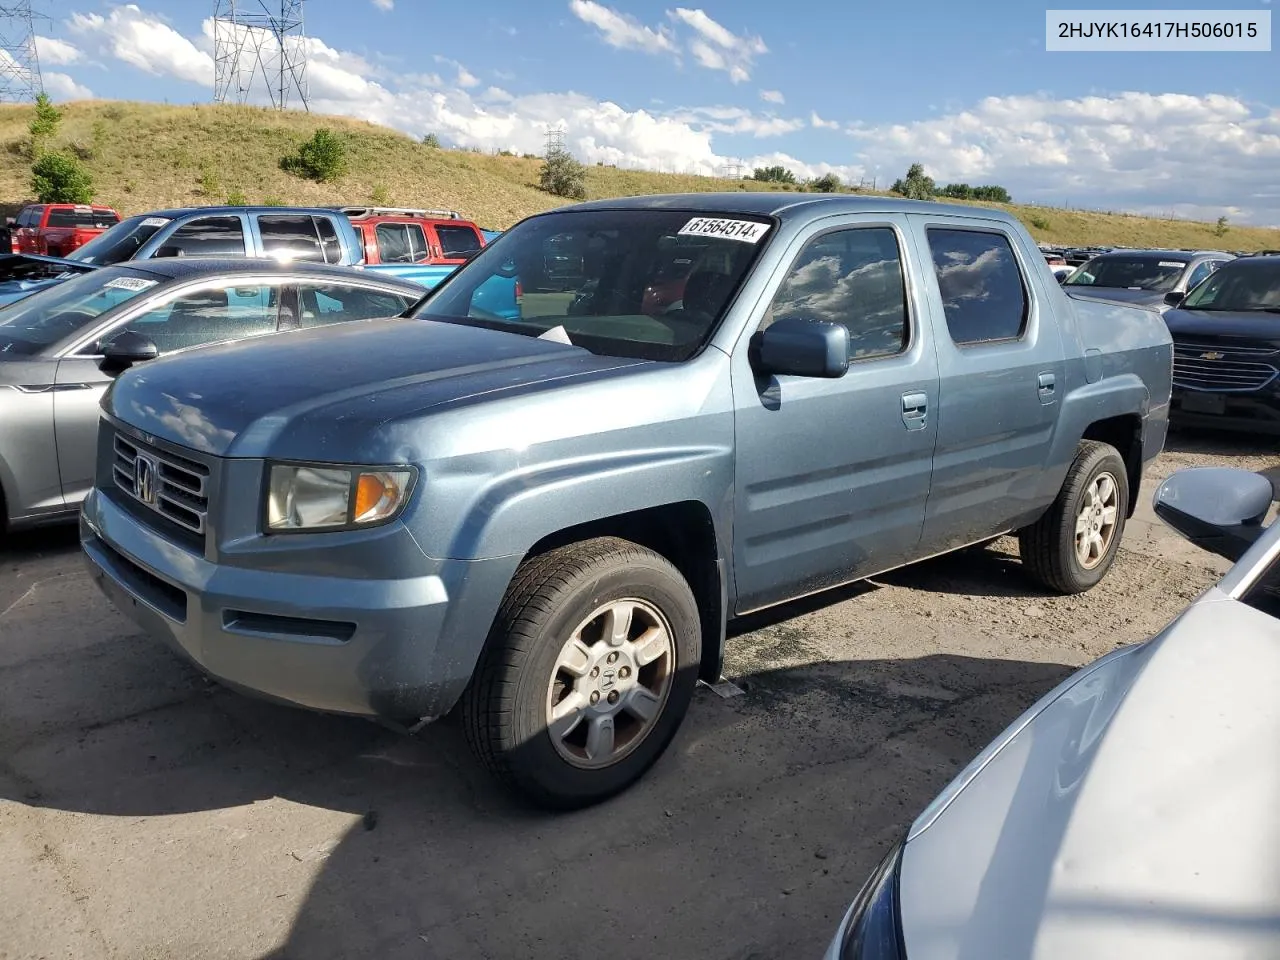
(1132, 811)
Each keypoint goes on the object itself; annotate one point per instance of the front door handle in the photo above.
(1045, 387)
(915, 410)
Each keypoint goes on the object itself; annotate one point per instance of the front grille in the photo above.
(172, 486)
(1223, 367)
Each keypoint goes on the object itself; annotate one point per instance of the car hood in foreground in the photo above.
(334, 382)
(1251, 324)
(1136, 816)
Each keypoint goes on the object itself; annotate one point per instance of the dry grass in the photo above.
(146, 156)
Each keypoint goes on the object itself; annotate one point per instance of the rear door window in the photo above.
(457, 242)
(401, 243)
(325, 303)
(983, 295)
(205, 237)
(292, 236)
(330, 245)
(210, 315)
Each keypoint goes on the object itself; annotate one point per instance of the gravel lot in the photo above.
(145, 813)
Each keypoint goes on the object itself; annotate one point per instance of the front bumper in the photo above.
(1254, 411)
(401, 649)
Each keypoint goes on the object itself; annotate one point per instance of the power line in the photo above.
(256, 48)
(20, 80)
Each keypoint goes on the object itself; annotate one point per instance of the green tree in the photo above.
(827, 183)
(916, 186)
(775, 174)
(992, 194)
(1220, 230)
(59, 178)
(430, 140)
(45, 123)
(323, 158)
(957, 191)
(562, 175)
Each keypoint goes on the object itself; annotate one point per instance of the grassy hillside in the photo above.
(148, 156)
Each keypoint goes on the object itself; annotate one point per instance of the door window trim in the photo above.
(1028, 292)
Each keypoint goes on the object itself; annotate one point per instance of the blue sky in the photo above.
(968, 90)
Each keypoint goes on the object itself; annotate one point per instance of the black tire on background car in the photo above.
(1071, 547)
(588, 671)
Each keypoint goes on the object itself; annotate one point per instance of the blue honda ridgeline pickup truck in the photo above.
(707, 405)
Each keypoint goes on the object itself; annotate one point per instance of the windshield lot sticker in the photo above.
(130, 283)
(748, 231)
(154, 222)
(1172, 263)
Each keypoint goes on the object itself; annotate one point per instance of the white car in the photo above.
(1134, 811)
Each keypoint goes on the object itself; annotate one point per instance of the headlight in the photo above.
(307, 497)
(872, 926)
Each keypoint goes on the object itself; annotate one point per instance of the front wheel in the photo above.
(587, 673)
(1071, 547)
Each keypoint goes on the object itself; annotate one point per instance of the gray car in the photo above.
(1130, 812)
(543, 493)
(1143, 277)
(52, 347)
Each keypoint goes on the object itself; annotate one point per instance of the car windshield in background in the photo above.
(45, 318)
(649, 284)
(1242, 285)
(1130, 273)
(120, 243)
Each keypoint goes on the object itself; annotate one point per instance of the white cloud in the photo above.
(737, 120)
(619, 30)
(820, 124)
(772, 96)
(718, 48)
(61, 87)
(385, 4)
(56, 53)
(465, 77)
(497, 95)
(145, 42)
(1111, 152)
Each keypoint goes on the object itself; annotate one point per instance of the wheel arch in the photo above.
(1124, 432)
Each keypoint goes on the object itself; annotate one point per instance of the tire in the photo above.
(528, 677)
(1050, 548)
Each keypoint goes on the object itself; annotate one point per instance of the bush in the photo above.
(323, 158)
(563, 176)
(379, 196)
(237, 198)
(1220, 229)
(915, 186)
(273, 202)
(431, 140)
(209, 183)
(1039, 222)
(773, 175)
(45, 123)
(59, 178)
(827, 183)
(992, 194)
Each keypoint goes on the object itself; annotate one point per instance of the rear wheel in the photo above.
(1071, 548)
(587, 674)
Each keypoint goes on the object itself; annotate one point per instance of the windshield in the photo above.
(120, 243)
(1242, 285)
(648, 284)
(1132, 273)
(53, 315)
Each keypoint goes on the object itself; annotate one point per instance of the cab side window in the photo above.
(1201, 271)
(325, 303)
(983, 295)
(205, 237)
(300, 237)
(852, 277)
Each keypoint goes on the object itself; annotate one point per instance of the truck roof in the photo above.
(176, 212)
(788, 206)
(181, 267)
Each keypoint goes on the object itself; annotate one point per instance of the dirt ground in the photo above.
(146, 813)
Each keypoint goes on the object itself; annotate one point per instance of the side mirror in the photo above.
(1174, 299)
(802, 348)
(124, 350)
(1219, 509)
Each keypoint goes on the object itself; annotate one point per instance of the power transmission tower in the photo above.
(19, 63)
(256, 47)
(554, 139)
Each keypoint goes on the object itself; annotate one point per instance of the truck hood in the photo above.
(1134, 816)
(236, 399)
(1145, 298)
(1253, 324)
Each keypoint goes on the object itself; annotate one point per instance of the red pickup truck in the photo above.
(55, 229)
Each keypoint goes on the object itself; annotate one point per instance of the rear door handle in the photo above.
(915, 410)
(1045, 387)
